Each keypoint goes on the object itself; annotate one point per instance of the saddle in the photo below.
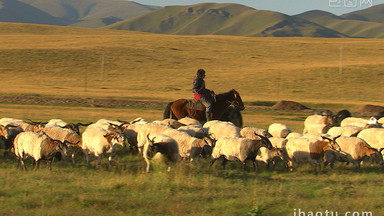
(195, 105)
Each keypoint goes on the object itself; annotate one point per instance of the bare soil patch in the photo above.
(88, 102)
(289, 105)
(372, 109)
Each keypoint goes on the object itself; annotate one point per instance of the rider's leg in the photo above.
(208, 107)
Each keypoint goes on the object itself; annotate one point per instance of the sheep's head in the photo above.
(208, 141)
(61, 147)
(265, 141)
(72, 144)
(332, 143)
(376, 155)
(115, 138)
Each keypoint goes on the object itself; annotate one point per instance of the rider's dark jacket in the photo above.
(199, 86)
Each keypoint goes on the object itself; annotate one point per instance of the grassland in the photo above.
(46, 61)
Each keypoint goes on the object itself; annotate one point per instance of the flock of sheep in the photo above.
(325, 140)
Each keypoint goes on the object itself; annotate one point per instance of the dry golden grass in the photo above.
(61, 61)
(55, 61)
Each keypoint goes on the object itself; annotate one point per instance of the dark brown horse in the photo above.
(179, 108)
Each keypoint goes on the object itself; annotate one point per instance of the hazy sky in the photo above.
(290, 7)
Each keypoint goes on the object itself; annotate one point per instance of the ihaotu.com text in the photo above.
(299, 212)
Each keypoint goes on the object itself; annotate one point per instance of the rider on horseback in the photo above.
(202, 94)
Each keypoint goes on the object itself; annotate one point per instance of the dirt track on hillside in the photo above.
(87, 102)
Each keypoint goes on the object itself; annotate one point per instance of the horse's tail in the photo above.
(168, 112)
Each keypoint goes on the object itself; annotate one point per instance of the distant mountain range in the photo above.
(199, 19)
(82, 13)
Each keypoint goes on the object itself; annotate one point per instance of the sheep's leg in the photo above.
(19, 160)
(145, 156)
(22, 165)
(244, 165)
(315, 168)
(73, 154)
(73, 158)
(255, 165)
(371, 162)
(49, 163)
(148, 163)
(86, 156)
(37, 164)
(224, 162)
(99, 161)
(326, 163)
(110, 162)
(212, 161)
(197, 160)
(268, 164)
(357, 165)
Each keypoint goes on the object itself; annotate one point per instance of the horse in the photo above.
(179, 109)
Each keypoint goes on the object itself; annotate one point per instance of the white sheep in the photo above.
(162, 143)
(353, 150)
(235, 148)
(268, 156)
(278, 142)
(189, 121)
(173, 123)
(34, 126)
(139, 120)
(217, 129)
(131, 133)
(348, 130)
(39, 147)
(279, 130)
(56, 122)
(293, 135)
(14, 122)
(310, 150)
(63, 124)
(359, 122)
(189, 147)
(64, 134)
(317, 124)
(194, 130)
(146, 129)
(99, 141)
(318, 136)
(316, 128)
(380, 121)
(318, 119)
(249, 132)
(373, 136)
(265, 155)
(110, 125)
(9, 133)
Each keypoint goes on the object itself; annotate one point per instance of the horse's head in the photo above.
(237, 102)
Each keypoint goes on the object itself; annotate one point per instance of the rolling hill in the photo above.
(223, 19)
(352, 28)
(84, 13)
(372, 14)
(199, 19)
(20, 12)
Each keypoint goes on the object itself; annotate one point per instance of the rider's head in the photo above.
(200, 73)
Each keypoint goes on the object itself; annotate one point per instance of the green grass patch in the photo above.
(123, 190)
